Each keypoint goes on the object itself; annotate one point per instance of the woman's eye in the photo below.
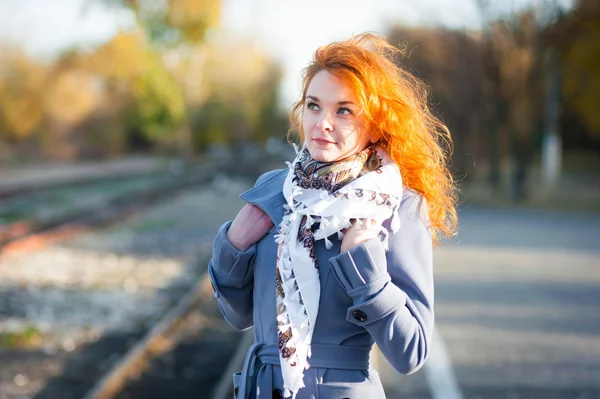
(312, 106)
(345, 111)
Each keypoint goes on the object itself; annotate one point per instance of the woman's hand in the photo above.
(354, 236)
(249, 226)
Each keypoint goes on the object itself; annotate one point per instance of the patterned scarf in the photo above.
(322, 199)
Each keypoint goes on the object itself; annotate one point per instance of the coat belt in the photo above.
(322, 356)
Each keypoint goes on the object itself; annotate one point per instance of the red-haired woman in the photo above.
(334, 253)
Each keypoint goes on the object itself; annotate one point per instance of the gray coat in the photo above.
(367, 295)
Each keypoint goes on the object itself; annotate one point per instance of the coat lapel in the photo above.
(268, 195)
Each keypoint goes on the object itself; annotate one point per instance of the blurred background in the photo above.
(128, 128)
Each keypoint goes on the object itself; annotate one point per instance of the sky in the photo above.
(289, 29)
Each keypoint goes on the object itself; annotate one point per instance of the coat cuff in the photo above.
(377, 307)
(362, 271)
(231, 267)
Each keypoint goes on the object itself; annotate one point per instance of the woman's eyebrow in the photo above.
(316, 99)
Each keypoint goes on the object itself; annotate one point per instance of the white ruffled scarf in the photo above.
(364, 187)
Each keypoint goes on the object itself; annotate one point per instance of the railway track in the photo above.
(31, 184)
(32, 233)
(185, 351)
(189, 352)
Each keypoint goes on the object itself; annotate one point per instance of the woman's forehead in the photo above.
(327, 87)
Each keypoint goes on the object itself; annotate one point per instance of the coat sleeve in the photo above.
(392, 292)
(231, 273)
(232, 276)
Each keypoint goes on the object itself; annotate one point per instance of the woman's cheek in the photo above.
(345, 133)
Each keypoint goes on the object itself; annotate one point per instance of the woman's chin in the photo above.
(323, 155)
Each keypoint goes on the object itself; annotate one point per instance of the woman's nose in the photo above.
(324, 123)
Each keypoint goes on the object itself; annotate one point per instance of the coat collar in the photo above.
(267, 194)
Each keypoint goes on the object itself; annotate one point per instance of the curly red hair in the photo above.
(396, 109)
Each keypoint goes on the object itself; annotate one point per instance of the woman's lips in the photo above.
(322, 141)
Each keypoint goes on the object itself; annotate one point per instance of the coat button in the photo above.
(359, 315)
(235, 392)
(277, 394)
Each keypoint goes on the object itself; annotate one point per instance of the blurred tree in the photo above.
(577, 36)
(21, 93)
(490, 109)
(271, 120)
(72, 90)
(174, 22)
(127, 89)
(511, 62)
(138, 75)
(122, 58)
(241, 85)
(519, 54)
(161, 84)
(449, 62)
(515, 76)
(193, 18)
(121, 65)
(487, 87)
(159, 102)
(176, 31)
(70, 97)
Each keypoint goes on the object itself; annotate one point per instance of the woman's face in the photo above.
(333, 124)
